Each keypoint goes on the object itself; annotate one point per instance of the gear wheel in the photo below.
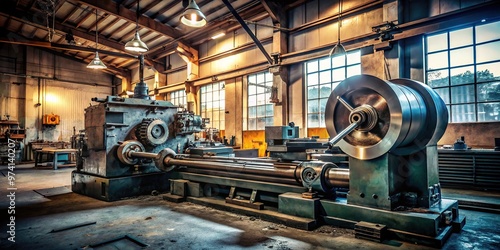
(152, 131)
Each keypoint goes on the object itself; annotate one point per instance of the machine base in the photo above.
(419, 226)
(266, 214)
(423, 222)
(112, 189)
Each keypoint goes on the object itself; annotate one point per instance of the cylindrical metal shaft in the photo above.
(343, 133)
(229, 158)
(233, 167)
(338, 177)
(242, 176)
(142, 154)
(268, 171)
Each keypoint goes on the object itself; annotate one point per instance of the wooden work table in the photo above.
(59, 155)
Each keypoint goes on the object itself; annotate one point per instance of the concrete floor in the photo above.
(165, 225)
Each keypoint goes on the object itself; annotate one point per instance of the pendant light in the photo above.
(96, 63)
(338, 49)
(193, 16)
(136, 45)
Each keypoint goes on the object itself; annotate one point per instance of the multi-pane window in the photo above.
(178, 98)
(322, 76)
(213, 102)
(463, 67)
(260, 110)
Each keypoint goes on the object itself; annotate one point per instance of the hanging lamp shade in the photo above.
(338, 49)
(193, 16)
(136, 44)
(96, 63)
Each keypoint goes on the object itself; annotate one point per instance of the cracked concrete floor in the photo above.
(164, 225)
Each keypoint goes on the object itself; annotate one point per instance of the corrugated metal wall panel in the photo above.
(68, 100)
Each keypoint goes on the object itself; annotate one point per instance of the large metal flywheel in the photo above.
(369, 117)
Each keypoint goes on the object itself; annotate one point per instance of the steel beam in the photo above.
(247, 29)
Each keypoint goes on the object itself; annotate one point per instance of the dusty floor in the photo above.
(164, 225)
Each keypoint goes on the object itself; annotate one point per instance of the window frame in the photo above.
(449, 91)
(348, 63)
(261, 95)
(217, 98)
(178, 98)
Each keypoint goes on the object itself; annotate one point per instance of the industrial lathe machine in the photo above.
(385, 185)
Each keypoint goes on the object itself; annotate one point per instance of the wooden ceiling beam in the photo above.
(276, 10)
(73, 11)
(84, 18)
(164, 9)
(149, 6)
(121, 11)
(103, 29)
(99, 20)
(59, 4)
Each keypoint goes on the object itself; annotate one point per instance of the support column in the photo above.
(190, 56)
(279, 94)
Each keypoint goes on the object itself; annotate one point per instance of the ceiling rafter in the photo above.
(246, 10)
(99, 20)
(73, 11)
(59, 4)
(118, 10)
(131, 4)
(20, 16)
(84, 18)
(149, 6)
(127, 37)
(276, 10)
(57, 50)
(164, 9)
(120, 28)
(103, 29)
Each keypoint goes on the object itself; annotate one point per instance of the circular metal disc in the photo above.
(157, 132)
(152, 131)
(125, 148)
(392, 110)
(159, 160)
(435, 121)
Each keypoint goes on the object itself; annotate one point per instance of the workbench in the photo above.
(64, 155)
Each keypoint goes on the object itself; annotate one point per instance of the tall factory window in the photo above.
(322, 76)
(463, 67)
(260, 110)
(178, 98)
(213, 102)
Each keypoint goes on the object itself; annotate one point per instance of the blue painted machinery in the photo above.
(388, 131)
